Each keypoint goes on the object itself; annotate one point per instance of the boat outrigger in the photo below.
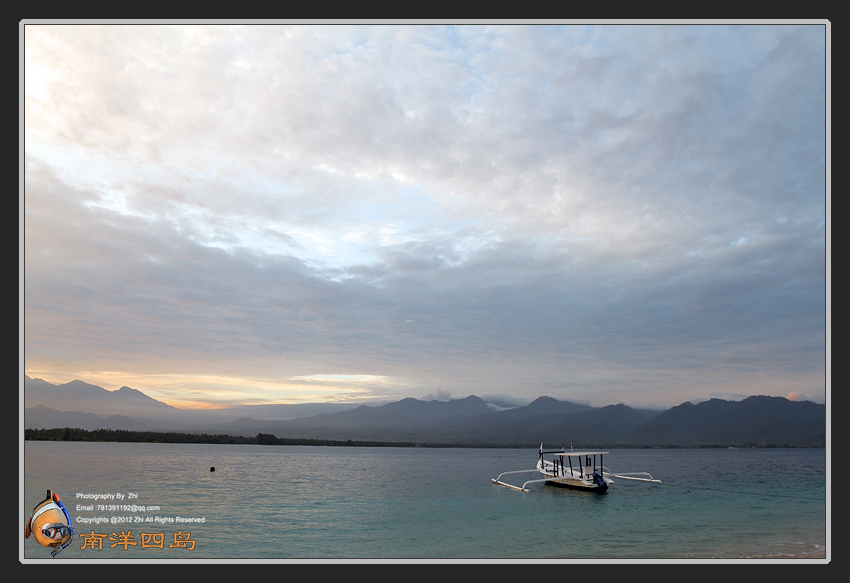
(574, 469)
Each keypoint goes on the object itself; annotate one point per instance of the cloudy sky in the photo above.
(221, 214)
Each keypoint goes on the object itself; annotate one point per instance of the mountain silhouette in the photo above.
(81, 396)
(758, 420)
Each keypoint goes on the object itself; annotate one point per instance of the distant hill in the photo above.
(148, 413)
(468, 422)
(760, 420)
(755, 420)
(42, 417)
(80, 396)
(408, 412)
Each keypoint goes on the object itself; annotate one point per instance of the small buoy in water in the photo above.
(212, 469)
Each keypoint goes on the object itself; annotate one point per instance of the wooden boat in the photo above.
(579, 470)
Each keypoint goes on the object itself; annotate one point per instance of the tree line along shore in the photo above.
(127, 436)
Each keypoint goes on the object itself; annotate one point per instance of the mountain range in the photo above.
(758, 420)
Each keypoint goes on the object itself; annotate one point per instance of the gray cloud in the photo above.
(609, 213)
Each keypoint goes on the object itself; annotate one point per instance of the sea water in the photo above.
(163, 502)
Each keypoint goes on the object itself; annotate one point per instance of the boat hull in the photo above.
(574, 484)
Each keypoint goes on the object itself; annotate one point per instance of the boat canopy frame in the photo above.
(558, 462)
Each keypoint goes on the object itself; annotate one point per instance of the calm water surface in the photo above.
(282, 502)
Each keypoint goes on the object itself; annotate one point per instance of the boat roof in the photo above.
(579, 453)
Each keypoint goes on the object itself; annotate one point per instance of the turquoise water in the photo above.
(346, 503)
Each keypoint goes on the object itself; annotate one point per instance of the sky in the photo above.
(227, 213)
